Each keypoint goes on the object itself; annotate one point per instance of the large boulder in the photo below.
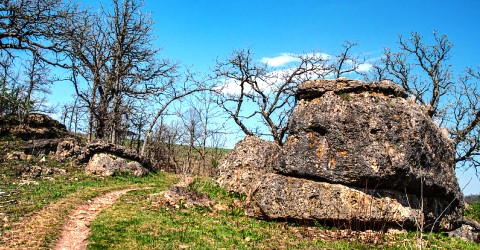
(355, 151)
(109, 165)
(41, 146)
(73, 148)
(367, 135)
(368, 139)
(282, 197)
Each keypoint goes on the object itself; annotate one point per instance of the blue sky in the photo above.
(195, 33)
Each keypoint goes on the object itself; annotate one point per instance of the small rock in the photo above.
(27, 182)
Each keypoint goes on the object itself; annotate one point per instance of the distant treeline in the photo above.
(472, 198)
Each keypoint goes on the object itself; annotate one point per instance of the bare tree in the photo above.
(37, 82)
(453, 101)
(465, 116)
(210, 131)
(435, 78)
(346, 62)
(173, 91)
(10, 88)
(270, 91)
(35, 26)
(113, 52)
(163, 150)
(139, 119)
(73, 115)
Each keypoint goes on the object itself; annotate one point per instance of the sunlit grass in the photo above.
(473, 211)
(138, 223)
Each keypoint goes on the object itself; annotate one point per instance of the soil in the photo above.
(76, 230)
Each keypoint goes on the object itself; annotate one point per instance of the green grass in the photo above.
(137, 223)
(140, 222)
(62, 196)
(473, 211)
(19, 198)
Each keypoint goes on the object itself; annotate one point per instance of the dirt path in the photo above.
(76, 230)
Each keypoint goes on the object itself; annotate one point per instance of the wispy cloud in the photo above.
(278, 75)
(281, 60)
(364, 67)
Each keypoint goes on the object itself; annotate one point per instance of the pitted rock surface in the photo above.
(244, 166)
(313, 89)
(366, 142)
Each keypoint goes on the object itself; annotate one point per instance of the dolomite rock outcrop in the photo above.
(109, 165)
(356, 151)
(33, 126)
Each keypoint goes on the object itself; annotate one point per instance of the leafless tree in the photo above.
(453, 101)
(23, 88)
(346, 62)
(270, 91)
(163, 149)
(139, 119)
(431, 60)
(192, 126)
(210, 131)
(465, 116)
(112, 52)
(74, 115)
(10, 88)
(37, 82)
(35, 26)
(173, 91)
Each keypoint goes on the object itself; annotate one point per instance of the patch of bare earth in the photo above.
(76, 230)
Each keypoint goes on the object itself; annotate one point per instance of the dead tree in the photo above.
(35, 26)
(453, 101)
(113, 52)
(210, 129)
(435, 79)
(37, 82)
(346, 62)
(270, 91)
(172, 91)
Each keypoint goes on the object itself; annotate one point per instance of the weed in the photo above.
(343, 95)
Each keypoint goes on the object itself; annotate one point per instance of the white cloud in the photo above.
(285, 58)
(277, 76)
(229, 86)
(281, 60)
(364, 67)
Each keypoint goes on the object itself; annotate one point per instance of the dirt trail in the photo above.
(76, 229)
